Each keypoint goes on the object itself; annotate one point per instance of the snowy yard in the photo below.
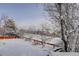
(19, 47)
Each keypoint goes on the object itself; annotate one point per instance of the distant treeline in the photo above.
(54, 34)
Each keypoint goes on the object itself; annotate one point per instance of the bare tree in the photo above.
(64, 15)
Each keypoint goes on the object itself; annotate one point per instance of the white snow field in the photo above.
(19, 47)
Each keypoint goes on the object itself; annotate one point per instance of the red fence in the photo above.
(7, 37)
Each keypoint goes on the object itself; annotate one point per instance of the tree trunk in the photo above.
(62, 26)
(63, 37)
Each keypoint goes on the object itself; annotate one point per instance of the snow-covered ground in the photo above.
(19, 47)
(22, 47)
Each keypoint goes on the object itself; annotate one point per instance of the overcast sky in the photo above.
(23, 14)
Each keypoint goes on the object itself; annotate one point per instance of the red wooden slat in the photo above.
(7, 37)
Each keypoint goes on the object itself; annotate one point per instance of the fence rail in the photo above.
(38, 41)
